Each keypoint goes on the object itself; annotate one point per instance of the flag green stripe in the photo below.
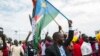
(46, 19)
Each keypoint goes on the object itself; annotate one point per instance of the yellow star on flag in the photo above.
(44, 4)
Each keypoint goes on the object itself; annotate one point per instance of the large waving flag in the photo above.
(44, 14)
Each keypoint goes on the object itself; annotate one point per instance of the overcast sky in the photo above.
(14, 16)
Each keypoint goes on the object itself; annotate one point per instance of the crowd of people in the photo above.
(60, 44)
(84, 46)
(14, 48)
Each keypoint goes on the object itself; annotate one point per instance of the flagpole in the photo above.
(57, 24)
(30, 18)
(57, 10)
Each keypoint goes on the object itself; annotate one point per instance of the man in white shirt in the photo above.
(86, 48)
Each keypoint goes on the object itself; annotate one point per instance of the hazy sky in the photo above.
(14, 16)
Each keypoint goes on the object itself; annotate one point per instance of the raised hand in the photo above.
(70, 23)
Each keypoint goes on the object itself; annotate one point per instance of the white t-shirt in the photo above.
(96, 46)
(16, 50)
(86, 48)
(43, 47)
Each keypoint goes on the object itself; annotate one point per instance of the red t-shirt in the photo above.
(77, 50)
(6, 52)
(81, 41)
